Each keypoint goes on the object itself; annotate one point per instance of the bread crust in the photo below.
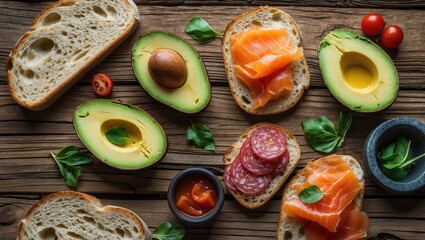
(286, 223)
(89, 198)
(242, 91)
(59, 90)
(257, 200)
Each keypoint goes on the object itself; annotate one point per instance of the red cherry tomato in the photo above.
(392, 36)
(373, 24)
(102, 84)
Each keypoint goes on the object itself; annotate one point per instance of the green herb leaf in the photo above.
(322, 135)
(168, 231)
(200, 30)
(72, 173)
(310, 194)
(118, 135)
(69, 160)
(396, 159)
(344, 124)
(201, 135)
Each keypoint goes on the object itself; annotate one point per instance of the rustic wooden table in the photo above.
(27, 172)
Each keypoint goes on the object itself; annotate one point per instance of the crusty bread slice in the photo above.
(257, 200)
(73, 215)
(267, 18)
(67, 40)
(287, 227)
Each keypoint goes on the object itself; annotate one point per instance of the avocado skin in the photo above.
(91, 133)
(344, 41)
(194, 95)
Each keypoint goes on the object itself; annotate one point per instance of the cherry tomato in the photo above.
(392, 36)
(102, 84)
(373, 24)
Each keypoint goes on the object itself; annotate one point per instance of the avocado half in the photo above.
(148, 141)
(194, 95)
(357, 72)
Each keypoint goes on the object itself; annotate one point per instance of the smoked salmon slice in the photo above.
(262, 60)
(340, 186)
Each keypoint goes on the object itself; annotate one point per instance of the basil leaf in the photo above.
(397, 174)
(118, 135)
(391, 161)
(320, 134)
(69, 161)
(72, 173)
(201, 135)
(200, 30)
(310, 194)
(168, 231)
(78, 159)
(67, 152)
(344, 124)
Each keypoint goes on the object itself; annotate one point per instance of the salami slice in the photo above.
(283, 163)
(228, 178)
(255, 165)
(268, 143)
(246, 182)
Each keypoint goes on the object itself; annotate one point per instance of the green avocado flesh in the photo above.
(194, 95)
(357, 72)
(148, 141)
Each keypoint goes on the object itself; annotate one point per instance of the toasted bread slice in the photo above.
(73, 215)
(287, 227)
(68, 39)
(257, 200)
(267, 18)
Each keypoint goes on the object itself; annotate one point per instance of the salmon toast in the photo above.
(264, 61)
(338, 214)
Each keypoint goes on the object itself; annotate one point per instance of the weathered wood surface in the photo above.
(235, 222)
(409, 59)
(26, 138)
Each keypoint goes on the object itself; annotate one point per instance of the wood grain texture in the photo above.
(235, 222)
(26, 138)
(396, 4)
(409, 59)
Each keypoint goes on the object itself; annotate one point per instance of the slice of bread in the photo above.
(68, 39)
(72, 215)
(257, 200)
(287, 227)
(267, 18)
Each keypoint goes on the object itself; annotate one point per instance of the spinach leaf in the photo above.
(396, 159)
(201, 135)
(168, 231)
(200, 30)
(69, 160)
(118, 136)
(322, 135)
(310, 194)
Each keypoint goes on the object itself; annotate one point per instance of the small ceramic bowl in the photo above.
(195, 220)
(387, 133)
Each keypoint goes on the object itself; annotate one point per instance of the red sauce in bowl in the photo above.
(195, 195)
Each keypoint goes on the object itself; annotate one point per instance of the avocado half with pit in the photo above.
(147, 141)
(357, 72)
(171, 71)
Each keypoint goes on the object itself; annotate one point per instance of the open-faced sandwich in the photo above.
(264, 61)
(259, 163)
(323, 201)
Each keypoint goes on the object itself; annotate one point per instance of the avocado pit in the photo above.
(360, 73)
(167, 68)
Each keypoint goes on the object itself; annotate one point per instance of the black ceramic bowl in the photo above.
(195, 220)
(383, 135)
